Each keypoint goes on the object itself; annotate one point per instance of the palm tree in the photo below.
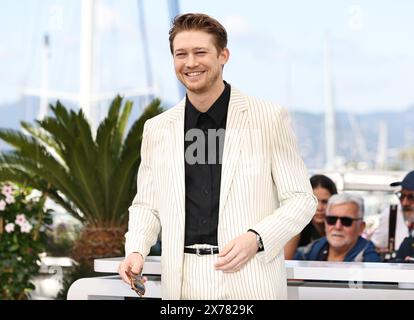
(94, 179)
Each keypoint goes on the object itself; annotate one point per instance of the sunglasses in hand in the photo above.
(137, 283)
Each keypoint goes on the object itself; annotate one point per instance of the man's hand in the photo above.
(237, 252)
(132, 264)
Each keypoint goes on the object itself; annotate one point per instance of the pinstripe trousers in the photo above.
(200, 279)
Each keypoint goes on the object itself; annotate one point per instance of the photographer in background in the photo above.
(395, 222)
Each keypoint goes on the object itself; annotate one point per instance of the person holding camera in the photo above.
(396, 221)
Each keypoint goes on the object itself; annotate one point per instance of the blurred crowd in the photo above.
(337, 230)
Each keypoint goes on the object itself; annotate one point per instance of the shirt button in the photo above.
(205, 131)
(205, 191)
(204, 221)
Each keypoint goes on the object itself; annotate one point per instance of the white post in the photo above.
(86, 54)
(288, 81)
(382, 145)
(147, 58)
(174, 10)
(329, 109)
(45, 80)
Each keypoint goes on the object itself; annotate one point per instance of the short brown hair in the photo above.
(201, 22)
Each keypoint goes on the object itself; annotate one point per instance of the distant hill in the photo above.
(309, 129)
(350, 145)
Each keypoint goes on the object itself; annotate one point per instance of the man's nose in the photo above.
(405, 202)
(320, 206)
(191, 61)
(338, 224)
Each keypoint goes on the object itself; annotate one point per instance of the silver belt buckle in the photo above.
(198, 250)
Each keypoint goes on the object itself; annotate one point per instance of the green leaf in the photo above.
(14, 247)
(94, 179)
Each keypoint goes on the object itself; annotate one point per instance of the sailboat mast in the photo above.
(147, 59)
(174, 10)
(45, 79)
(329, 109)
(86, 53)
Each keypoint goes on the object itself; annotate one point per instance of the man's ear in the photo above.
(224, 56)
(362, 227)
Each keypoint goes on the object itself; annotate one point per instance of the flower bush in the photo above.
(23, 223)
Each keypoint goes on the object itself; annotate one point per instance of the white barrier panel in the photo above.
(306, 280)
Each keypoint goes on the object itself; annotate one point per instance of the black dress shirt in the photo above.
(202, 178)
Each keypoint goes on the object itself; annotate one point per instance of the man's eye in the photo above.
(180, 54)
(200, 52)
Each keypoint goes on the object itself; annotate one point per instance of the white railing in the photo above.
(306, 280)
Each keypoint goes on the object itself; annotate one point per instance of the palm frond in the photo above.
(85, 136)
(93, 179)
(54, 176)
(42, 135)
(134, 137)
(124, 182)
(120, 128)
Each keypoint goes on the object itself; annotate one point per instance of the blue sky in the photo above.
(276, 48)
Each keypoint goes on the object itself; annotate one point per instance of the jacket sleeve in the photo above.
(295, 195)
(302, 253)
(144, 224)
(404, 250)
(370, 254)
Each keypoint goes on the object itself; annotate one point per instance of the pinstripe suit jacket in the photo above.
(264, 186)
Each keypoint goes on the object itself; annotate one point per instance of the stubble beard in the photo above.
(204, 87)
(408, 214)
(339, 243)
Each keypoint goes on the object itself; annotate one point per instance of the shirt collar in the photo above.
(217, 111)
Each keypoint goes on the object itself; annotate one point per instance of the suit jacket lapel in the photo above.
(176, 143)
(235, 130)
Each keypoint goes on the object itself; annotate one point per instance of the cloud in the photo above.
(237, 26)
(107, 18)
(5, 53)
(243, 36)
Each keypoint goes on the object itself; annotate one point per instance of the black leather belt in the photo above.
(201, 251)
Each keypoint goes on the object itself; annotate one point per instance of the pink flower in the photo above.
(9, 227)
(26, 227)
(2, 205)
(20, 220)
(7, 190)
(10, 199)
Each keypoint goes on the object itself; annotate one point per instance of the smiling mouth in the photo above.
(193, 74)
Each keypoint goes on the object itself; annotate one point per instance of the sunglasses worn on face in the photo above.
(345, 221)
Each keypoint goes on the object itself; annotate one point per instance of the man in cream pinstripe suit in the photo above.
(226, 216)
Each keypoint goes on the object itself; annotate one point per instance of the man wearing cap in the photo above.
(404, 217)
